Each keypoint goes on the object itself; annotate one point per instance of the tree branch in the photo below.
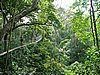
(11, 50)
(18, 16)
(30, 25)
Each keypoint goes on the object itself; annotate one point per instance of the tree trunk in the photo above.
(91, 20)
(94, 22)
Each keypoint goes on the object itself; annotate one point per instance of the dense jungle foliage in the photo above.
(36, 38)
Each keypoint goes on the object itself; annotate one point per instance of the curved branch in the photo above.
(24, 25)
(28, 25)
(11, 50)
(94, 22)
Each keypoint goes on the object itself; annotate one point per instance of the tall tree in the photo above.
(94, 23)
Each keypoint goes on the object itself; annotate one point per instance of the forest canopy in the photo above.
(39, 38)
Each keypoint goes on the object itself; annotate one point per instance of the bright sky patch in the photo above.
(63, 3)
